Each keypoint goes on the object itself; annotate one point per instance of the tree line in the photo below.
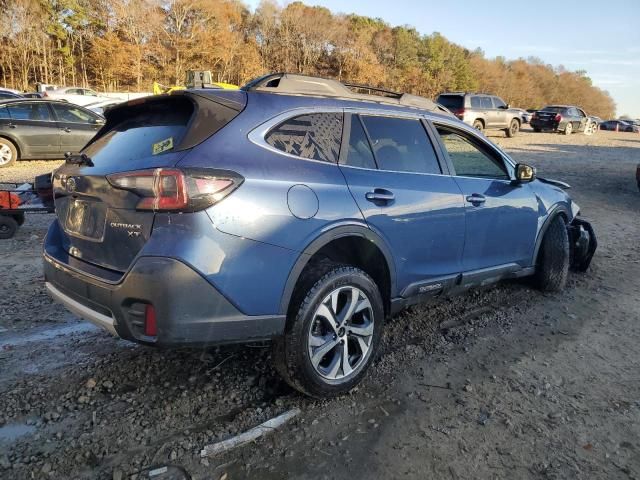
(115, 45)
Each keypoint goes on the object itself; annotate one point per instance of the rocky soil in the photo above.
(500, 383)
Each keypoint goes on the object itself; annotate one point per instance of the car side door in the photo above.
(396, 178)
(500, 112)
(489, 112)
(501, 215)
(582, 120)
(77, 126)
(33, 124)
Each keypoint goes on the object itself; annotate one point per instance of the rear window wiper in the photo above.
(80, 159)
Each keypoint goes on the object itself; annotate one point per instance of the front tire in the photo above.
(513, 129)
(333, 335)
(552, 266)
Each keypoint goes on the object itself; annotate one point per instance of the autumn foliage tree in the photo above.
(127, 44)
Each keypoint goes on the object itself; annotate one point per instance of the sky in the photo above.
(599, 36)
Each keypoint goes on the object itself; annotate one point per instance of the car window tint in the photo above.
(468, 159)
(359, 153)
(452, 102)
(498, 103)
(4, 113)
(401, 145)
(486, 102)
(69, 113)
(29, 111)
(475, 102)
(315, 136)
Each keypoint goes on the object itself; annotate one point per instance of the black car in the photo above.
(561, 118)
(6, 94)
(43, 129)
(619, 126)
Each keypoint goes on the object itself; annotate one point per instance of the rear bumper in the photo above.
(189, 310)
(546, 125)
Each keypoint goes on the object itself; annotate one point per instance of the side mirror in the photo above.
(525, 173)
(508, 106)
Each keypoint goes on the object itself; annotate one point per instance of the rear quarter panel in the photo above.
(261, 208)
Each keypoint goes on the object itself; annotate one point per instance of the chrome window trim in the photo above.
(258, 134)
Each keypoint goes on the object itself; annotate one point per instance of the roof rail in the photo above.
(295, 84)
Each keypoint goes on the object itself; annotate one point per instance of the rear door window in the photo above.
(401, 145)
(29, 111)
(486, 102)
(69, 113)
(314, 136)
(359, 153)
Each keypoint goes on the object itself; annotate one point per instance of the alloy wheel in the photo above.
(341, 333)
(6, 155)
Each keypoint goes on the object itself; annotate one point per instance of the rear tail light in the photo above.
(558, 118)
(458, 112)
(169, 189)
(45, 94)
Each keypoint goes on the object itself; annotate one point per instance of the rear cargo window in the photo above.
(552, 109)
(146, 130)
(315, 136)
(452, 102)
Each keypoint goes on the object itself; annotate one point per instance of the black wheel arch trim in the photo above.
(554, 211)
(325, 238)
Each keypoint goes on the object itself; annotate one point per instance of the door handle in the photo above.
(476, 199)
(380, 195)
(11, 125)
(66, 129)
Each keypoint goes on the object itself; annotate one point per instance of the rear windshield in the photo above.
(452, 102)
(148, 129)
(553, 109)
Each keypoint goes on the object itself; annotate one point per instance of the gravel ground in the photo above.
(500, 383)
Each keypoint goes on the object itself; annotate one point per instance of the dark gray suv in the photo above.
(482, 111)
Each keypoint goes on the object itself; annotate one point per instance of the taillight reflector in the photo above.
(150, 325)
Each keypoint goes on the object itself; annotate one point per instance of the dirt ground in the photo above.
(501, 383)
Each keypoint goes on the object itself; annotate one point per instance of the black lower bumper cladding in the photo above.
(583, 244)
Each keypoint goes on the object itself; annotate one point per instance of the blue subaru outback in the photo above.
(298, 210)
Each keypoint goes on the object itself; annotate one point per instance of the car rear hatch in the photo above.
(103, 221)
(454, 102)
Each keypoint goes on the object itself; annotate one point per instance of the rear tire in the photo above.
(8, 227)
(537, 130)
(478, 125)
(568, 129)
(8, 153)
(552, 265)
(322, 358)
(513, 129)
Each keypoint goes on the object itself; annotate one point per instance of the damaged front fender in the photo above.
(583, 244)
